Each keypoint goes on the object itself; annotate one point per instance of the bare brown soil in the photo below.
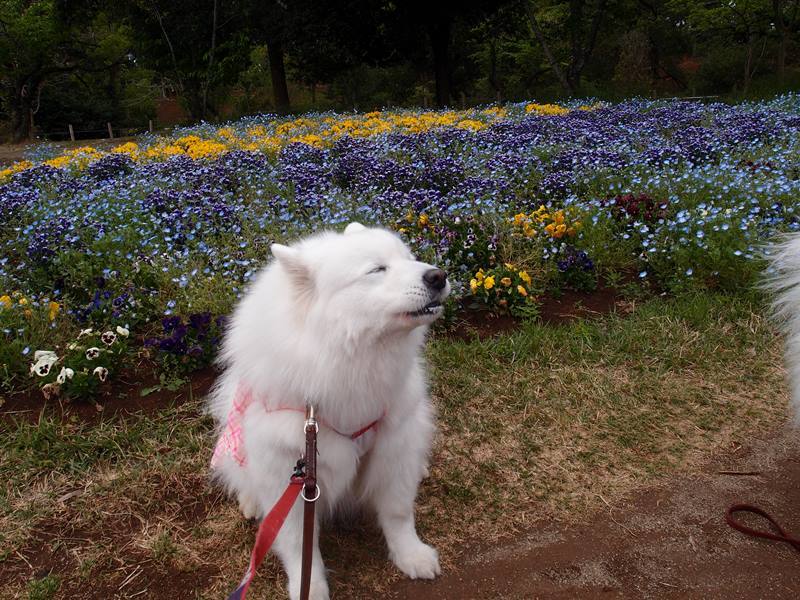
(11, 153)
(59, 549)
(570, 305)
(120, 398)
(666, 542)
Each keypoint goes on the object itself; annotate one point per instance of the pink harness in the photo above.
(231, 442)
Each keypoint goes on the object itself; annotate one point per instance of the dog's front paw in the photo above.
(317, 590)
(419, 561)
(249, 506)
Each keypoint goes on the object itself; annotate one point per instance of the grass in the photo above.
(538, 424)
(43, 589)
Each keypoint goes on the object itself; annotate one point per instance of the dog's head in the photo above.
(364, 281)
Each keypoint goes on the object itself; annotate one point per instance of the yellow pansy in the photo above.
(473, 285)
(53, 309)
(522, 291)
(488, 283)
(525, 277)
(15, 168)
(547, 110)
(506, 281)
(470, 124)
(309, 139)
(58, 162)
(6, 301)
(129, 148)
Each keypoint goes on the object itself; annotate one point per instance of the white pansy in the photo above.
(44, 360)
(108, 337)
(122, 331)
(66, 373)
(101, 372)
(92, 353)
(84, 332)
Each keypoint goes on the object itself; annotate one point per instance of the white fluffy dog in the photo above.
(338, 321)
(784, 280)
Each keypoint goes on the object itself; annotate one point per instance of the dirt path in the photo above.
(667, 542)
(11, 153)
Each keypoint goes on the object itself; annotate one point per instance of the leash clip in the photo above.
(299, 471)
(311, 421)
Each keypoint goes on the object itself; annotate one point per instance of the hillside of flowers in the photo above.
(112, 258)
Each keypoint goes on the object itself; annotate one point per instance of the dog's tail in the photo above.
(783, 281)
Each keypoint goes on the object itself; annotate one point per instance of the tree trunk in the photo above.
(207, 82)
(113, 92)
(582, 52)
(178, 78)
(780, 27)
(748, 64)
(493, 66)
(537, 31)
(575, 27)
(21, 105)
(440, 31)
(277, 72)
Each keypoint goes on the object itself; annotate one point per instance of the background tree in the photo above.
(90, 61)
(198, 48)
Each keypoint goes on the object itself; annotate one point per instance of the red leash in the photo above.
(302, 482)
(781, 536)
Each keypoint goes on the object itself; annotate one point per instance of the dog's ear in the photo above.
(354, 228)
(292, 262)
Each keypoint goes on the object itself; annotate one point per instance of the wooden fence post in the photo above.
(71, 133)
(110, 131)
(151, 125)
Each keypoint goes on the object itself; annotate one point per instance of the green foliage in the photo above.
(89, 63)
(44, 588)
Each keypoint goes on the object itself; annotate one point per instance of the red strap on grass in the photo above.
(267, 532)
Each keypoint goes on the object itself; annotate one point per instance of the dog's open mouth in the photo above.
(431, 308)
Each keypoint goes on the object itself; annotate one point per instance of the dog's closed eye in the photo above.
(377, 269)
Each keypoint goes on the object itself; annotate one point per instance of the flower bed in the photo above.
(515, 201)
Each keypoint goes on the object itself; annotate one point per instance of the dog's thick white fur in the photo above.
(337, 320)
(783, 280)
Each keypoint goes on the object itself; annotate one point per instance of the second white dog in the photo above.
(337, 320)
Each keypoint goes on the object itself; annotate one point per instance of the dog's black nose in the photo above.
(435, 279)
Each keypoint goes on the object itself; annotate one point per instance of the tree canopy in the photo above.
(88, 62)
